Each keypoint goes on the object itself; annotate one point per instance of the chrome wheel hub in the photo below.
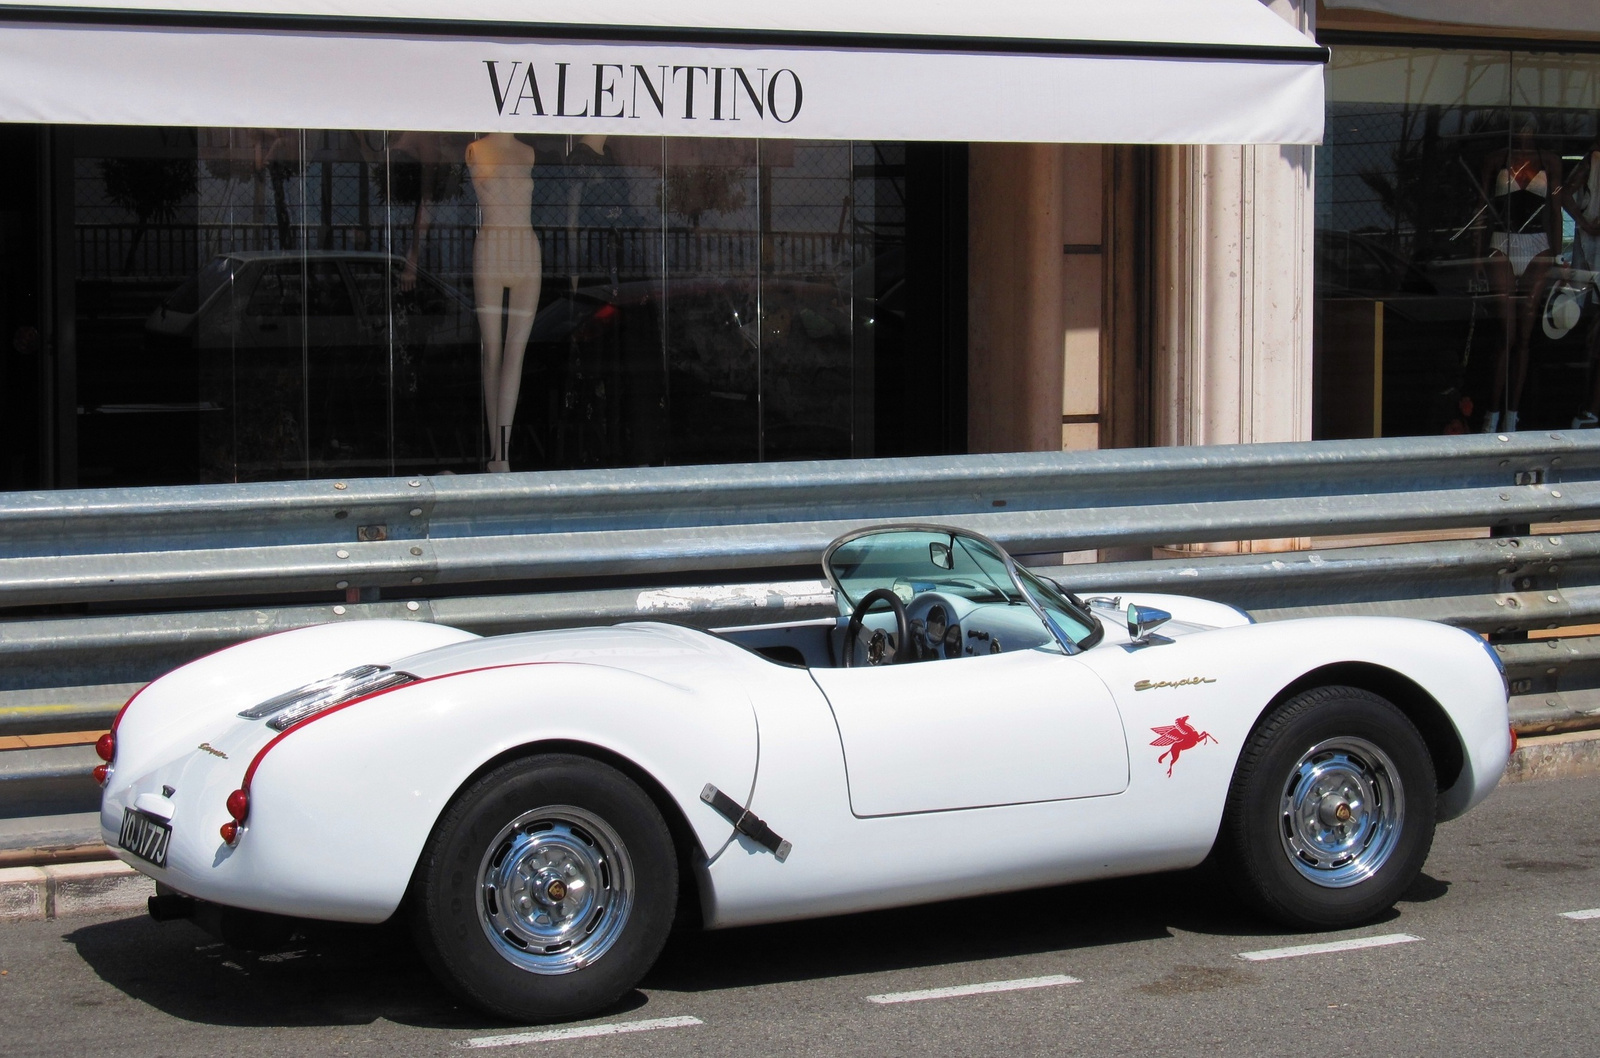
(555, 889)
(1341, 812)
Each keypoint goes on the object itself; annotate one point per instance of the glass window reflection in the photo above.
(1454, 289)
(258, 304)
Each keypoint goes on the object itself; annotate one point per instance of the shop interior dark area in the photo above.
(197, 305)
(1457, 244)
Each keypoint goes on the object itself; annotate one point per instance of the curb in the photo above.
(1564, 756)
(32, 894)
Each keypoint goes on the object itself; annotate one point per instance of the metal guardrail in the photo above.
(317, 536)
(511, 552)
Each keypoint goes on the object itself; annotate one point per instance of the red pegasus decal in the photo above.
(1180, 735)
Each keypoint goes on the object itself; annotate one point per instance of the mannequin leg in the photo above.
(519, 325)
(1504, 284)
(490, 319)
(1528, 308)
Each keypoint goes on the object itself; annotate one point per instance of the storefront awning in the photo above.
(1132, 71)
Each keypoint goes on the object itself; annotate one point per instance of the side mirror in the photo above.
(939, 554)
(1142, 620)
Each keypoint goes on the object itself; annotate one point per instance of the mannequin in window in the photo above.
(1580, 196)
(506, 271)
(1520, 181)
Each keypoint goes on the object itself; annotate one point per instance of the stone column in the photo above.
(1232, 356)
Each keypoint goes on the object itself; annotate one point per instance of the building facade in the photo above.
(243, 243)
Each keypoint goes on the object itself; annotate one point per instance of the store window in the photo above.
(263, 304)
(1457, 243)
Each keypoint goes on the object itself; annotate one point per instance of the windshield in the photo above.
(913, 561)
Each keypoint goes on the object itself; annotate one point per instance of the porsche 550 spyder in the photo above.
(543, 806)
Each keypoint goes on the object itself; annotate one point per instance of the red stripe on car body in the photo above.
(249, 773)
(116, 720)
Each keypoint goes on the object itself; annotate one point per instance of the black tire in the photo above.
(628, 844)
(1271, 846)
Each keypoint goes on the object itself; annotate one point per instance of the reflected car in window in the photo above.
(708, 350)
(326, 362)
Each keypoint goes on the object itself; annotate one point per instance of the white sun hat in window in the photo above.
(1563, 308)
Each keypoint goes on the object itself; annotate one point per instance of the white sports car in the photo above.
(544, 806)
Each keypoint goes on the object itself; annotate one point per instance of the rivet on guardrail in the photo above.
(341, 584)
(416, 512)
(342, 553)
(412, 606)
(1504, 496)
(416, 551)
(341, 486)
(1551, 598)
(1555, 461)
(1503, 437)
(341, 514)
(1556, 493)
(415, 484)
(416, 580)
(1555, 541)
(339, 610)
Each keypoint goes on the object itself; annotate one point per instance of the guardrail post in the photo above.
(1497, 532)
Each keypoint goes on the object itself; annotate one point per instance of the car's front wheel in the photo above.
(1331, 812)
(547, 888)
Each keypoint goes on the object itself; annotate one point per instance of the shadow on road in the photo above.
(1091, 914)
(332, 975)
(356, 975)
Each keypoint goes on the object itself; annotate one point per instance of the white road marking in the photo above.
(1050, 981)
(1593, 912)
(579, 1032)
(1352, 944)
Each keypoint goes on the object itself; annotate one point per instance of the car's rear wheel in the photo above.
(1331, 812)
(547, 888)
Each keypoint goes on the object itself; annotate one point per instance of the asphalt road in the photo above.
(1495, 970)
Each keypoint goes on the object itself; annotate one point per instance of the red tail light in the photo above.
(106, 747)
(597, 322)
(230, 832)
(1513, 740)
(101, 772)
(239, 805)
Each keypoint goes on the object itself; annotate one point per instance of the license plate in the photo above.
(145, 836)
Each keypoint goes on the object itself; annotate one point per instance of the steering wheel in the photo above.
(879, 652)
